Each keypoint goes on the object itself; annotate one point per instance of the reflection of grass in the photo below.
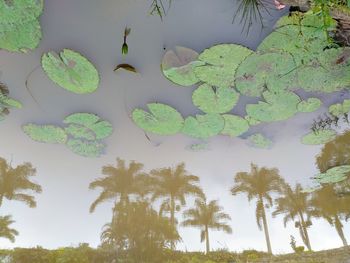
(160, 8)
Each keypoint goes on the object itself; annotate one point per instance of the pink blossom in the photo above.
(278, 5)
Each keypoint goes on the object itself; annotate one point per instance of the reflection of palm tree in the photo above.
(120, 183)
(295, 204)
(259, 183)
(174, 185)
(5, 230)
(205, 216)
(15, 181)
(328, 205)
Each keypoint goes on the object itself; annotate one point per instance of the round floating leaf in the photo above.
(45, 133)
(328, 72)
(340, 109)
(214, 100)
(276, 71)
(203, 126)
(279, 105)
(20, 37)
(320, 137)
(251, 121)
(177, 66)
(78, 131)
(309, 105)
(162, 119)
(234, 125)
(302, 42)
(221, 64)
(86, 148)
(334, 175)
(71, 71)
(307, 19)
(20, 11)
(92, 123)
(259, 141)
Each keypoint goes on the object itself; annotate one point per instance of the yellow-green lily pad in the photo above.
(203, 126)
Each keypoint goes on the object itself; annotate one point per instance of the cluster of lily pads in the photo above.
(82, 135)
(20, 28)
(6, 103)
(296, 55)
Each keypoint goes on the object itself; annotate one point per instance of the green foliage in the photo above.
(86, 148)
(71, 71)
(334, 175)
(45, 133)
(20, 29)
(273, 70)
(162, 119)
(6, 102)
(214, 100)
(203, 126)
(309, 105)
(178, 66)
(221, 63)
(340, 109)
(260, 141)
(234, 125)
(319, 137)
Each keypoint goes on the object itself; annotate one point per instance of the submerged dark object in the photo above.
(125, 66)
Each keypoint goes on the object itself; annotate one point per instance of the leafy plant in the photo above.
(259, 141)
(6, 102)
(203, 126)
(321, 137)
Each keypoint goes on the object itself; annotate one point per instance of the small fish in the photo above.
(125, 48)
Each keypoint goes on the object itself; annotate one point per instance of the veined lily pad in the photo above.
(92, 123)
(203, 126)
(86, 148)
(81, 132)
(251, 121)
(221, 64)
(177, 66)
(71, 71)
(334, 175)
(214, 100)
(340, 108)
(275, 71)
(320, 137)
(309, 105)
(20, 11)
(307, 19)
(279, 105)
(45, 133)
(20, 37)
(162, 119)
(234, 125)
(260, 141)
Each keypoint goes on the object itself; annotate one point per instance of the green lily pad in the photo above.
(162, 119)
(278, 106)
(259, 141)
(340, 108)
(275, 71)
(234, 125)
(251, 121)
(20, 11)
(92, 123)
(203, 126)
(320, 137)
(309, 105)
(45, 133)
(334, 175)
(307, 19)
(221, 64)
(81, 132)
(178, 66)
(71, 71)
(20, 37)
(214, 100)
(86, 148)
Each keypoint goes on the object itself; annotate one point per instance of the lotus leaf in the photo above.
(45, 133)
(20, 11)
(340, 108)
(307, 19)
(71, 71)
(214, 100)
(221, 64)
(203, 126)
(309, 105)
(92, 123)
(20, 37)
(178, 66)
(251, 121)
(279, 105)
(275, 71)
(320, 137)
(334, 175)
(86, 148)
(162, 119)
(260, 141)
(234, 125)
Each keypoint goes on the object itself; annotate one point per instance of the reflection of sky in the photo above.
(95, 30)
